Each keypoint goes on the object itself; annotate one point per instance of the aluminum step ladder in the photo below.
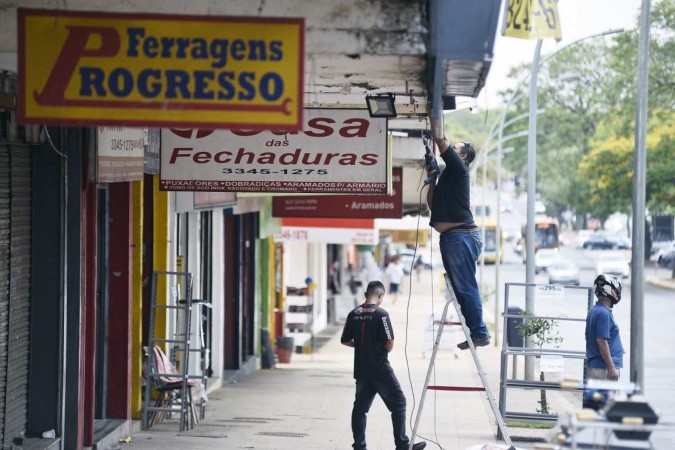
(180, 309)
(451, 298)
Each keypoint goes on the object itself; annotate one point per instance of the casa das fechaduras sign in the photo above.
(337, 151)
(88, 68)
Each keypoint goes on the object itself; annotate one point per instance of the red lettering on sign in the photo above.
(73, 49)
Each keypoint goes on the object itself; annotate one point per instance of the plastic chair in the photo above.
(170, 388)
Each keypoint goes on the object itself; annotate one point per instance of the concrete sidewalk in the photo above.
(307, 403)
(659, 276)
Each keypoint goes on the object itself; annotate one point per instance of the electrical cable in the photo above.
(407, 322)
(49, 138)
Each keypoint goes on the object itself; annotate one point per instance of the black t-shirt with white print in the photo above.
(370, 328)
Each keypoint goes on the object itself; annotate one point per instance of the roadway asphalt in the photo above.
(307, 402)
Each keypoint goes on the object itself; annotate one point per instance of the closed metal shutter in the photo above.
(4, 276)
(17, 299)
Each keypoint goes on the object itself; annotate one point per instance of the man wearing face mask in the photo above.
(449, 200)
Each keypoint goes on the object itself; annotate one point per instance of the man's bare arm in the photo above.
(442, 144)
(431, 190)
(603, 345)
(389, 345)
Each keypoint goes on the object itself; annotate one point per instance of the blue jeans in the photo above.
(460, 251)
(385, 384)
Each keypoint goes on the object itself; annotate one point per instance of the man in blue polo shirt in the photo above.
(604, 352)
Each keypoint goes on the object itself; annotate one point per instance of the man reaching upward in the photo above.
(460, 244)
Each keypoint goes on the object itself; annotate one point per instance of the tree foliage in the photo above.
(585, 137)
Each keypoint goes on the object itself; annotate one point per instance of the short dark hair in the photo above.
(375, 288)
(469, 151)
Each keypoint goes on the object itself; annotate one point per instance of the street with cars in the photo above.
(659, 313)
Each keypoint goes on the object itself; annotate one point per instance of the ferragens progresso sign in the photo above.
(160, 70)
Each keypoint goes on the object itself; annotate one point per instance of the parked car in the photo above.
(563, 272)
(583, 236)
(661, 250)
(544, 258)
(666, 260)
(613, 265)
(605, 241)
(406, 258)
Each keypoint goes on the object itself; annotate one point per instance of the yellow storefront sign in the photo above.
(160, 70)
(532, 19)
(408, 237)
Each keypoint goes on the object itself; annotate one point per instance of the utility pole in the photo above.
(531, 193)
(637, 362)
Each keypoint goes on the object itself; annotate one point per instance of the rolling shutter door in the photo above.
(16, 303)
(4, 277)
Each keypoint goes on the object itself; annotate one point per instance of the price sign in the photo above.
(551, 290)
(532, 19)
(551, 363)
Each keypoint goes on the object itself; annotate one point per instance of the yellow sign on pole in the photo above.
(532, 19)
(89, 68)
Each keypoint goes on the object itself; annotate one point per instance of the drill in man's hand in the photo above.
(430, 163)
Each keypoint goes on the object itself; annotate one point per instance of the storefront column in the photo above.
(136, 298)
(118, 403)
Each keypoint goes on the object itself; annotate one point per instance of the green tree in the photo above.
(609, 167)
(542, 331)
(586, 138)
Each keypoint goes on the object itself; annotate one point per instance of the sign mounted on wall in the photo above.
(338, 151)
(89, 68)
(119, 154)
(343, 206)
(532, 19)
(328, 231)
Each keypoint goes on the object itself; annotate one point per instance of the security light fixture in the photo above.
(381, 105)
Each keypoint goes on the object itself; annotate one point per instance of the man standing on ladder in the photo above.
(460, 244)
(368, 329)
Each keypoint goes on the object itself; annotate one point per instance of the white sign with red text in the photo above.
(119, 154)
(352, 236)
(338, 151)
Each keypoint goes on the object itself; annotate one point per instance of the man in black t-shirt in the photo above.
(368, 329)
(460, 242)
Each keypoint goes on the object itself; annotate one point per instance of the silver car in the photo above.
(563, 272)
(616, 265)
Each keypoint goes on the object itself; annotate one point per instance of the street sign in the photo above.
(94, 68)
(532, 19)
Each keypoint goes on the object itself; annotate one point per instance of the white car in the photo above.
(616, 265)
(660, 250)
(563, 272)
(544, 258)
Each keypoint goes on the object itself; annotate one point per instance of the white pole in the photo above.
(637, 362)
(531, 193)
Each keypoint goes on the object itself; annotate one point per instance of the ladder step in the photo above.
(451, 298)
(446, 322)
(167, 375)
(157, 408)
(457, 388)
(169, 341)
